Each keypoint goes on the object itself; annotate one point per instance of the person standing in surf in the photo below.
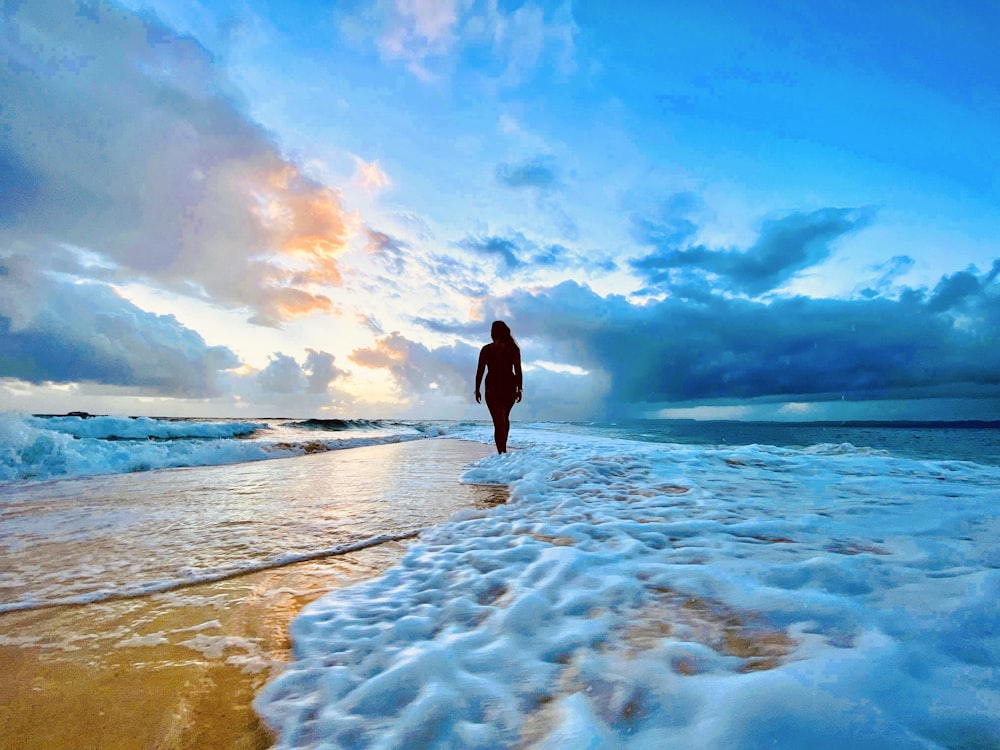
(501, 361)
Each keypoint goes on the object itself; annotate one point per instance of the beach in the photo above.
(179, 668)
(616, 585)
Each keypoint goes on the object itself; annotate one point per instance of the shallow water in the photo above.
(178, 669)
(81, 540)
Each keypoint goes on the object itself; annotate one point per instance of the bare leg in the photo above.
(506, 424)
(501, 424)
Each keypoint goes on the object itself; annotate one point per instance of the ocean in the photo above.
(646, 584)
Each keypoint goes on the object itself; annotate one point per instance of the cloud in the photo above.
(541, 176)
(539, 172)
(415, 30)
(413, 271)
(556, 256)
(516, 252)
(426, 36)
(453, 273)
(391, 252)
(670, 224)
(588, 355)
(524, 38)
(127, 140)
(418, 370)
(888, 273)
(448, 373)
(956, 292)
(371, 175)
(370, 322)
(284, 375)
(506, 250)
(796, 348)
(56, 330)
(785, 247)
(990, 277)
(321, 371)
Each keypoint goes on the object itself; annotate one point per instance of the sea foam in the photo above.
(644, 596)
(37, 447)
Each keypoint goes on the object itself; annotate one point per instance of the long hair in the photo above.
(500, 331)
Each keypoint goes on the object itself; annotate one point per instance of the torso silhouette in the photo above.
(500, 359)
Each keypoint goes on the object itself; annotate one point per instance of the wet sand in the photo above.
(180, 669)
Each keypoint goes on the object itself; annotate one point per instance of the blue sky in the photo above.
(739, 210)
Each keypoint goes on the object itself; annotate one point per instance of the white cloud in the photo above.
(371, 176)
(415, 30)
(128, 141)
(424, 34)
(321, 371)
(284, 375)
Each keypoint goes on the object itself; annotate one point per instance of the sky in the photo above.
(731, 210)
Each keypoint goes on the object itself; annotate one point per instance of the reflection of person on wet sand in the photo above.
(501, 361)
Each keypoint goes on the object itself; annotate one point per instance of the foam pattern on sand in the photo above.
(647, 596)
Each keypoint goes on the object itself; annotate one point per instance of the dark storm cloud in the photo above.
(785, 247)
(539, 172)
(956, 291)
(54, 330)
(676, 350)
(941, 343)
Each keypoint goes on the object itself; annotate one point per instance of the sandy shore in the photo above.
(180, 669)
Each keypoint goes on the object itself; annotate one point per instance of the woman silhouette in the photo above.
(503, 380)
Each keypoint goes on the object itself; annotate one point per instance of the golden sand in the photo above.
(180, 669)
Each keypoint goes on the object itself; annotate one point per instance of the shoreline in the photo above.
(180, 669)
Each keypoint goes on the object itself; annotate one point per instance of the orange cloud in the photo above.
(388, 352)
(308, 229)
(372, 176)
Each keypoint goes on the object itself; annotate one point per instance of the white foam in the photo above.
(38, 448)
(644, 596)
(143, 641)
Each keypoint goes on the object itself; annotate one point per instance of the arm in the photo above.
(479, 373)
(517, 376)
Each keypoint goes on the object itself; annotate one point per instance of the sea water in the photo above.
(647, 584)
(648, 595)
(36, 447)
(40, 447)
(90, 512)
